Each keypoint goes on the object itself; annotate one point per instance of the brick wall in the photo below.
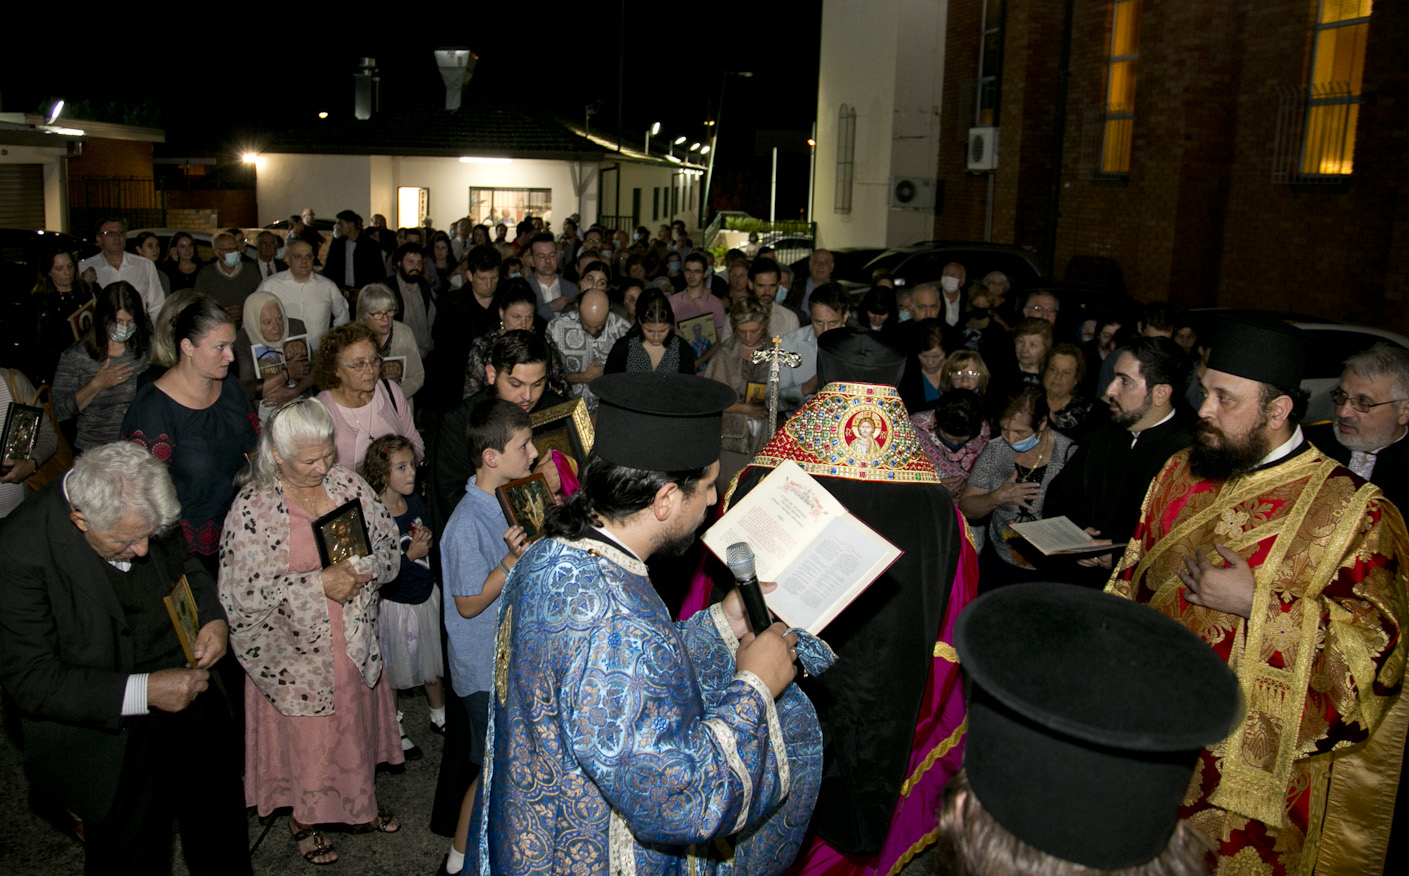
(1198, 221)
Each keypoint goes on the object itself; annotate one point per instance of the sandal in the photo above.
(385, 822)
(321, 847)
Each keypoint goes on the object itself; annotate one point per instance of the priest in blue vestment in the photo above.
(619, 741)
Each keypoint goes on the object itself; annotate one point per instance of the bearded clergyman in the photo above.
(1291, 567)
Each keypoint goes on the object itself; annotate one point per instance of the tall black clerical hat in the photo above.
(856, 355)
(1086, 716)
(659, 422)
(1261, 348)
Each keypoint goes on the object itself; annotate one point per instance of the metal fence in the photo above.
(791, 238)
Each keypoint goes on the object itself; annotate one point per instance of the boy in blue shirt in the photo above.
(476, 564)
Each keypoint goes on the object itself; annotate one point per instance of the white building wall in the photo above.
(885, 59)
(285, 184)
(368, 184)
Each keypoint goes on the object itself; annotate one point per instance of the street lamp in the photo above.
(652, 130)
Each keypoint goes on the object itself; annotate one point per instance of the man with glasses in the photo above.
(1041, 305)
(1291, 568)
(310, 297)
(1372, 411)
(115, 263)
(229, 278)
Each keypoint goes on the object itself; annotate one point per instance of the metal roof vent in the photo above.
(456, 65)
(365, 85)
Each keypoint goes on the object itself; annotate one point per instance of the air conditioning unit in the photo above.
(911, 193)
(983, 149)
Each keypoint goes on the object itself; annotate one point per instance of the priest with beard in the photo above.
(1101, 487)
(1291, 568)
(891, 708)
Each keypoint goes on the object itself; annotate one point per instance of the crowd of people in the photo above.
(318, 442)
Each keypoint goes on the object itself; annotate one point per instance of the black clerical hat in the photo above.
(659, 422)
(1086, 716)
(1261, 348)
(856, 355)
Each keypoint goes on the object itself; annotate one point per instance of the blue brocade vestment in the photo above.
(623, 743)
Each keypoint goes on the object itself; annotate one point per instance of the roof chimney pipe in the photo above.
(365, 87)
(456, 65)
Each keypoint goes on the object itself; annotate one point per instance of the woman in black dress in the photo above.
(652, 344)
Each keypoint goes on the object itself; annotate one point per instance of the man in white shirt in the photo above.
(310, 297)
(830, 307)
(115, 263)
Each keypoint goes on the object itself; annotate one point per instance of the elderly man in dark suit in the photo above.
(118, 728)
(1372, 413)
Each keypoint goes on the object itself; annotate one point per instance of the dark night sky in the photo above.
(220, 94)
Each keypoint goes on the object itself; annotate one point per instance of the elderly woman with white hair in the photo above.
(376, 306)
(271, 375)
(318, 715)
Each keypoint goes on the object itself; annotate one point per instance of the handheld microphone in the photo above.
(739, 558)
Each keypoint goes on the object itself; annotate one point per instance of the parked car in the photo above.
(1334, 342)
(204, 250)
(924, 263)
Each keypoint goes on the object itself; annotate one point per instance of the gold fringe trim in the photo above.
(945, 651)
(935, 754)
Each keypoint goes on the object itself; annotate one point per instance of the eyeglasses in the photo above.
(974, 374)
(381, 314)
(373, 363)
(1338, 398)
(1039, 310)
(110, 234)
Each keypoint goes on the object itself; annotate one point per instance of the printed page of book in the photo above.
(778, 519)
(841, 562)
(1058, 535)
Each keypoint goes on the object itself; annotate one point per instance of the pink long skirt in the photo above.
(324, 767)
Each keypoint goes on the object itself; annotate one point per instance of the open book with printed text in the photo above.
(820, 554)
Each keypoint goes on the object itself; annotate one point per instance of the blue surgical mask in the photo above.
(953, 445)
(905, 316)
(514, 275)
(279, 254)
(674, 267)
(231, 259)
(1026, 444)
(781, 295)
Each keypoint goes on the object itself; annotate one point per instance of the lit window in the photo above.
(1120, 93)
(1333, 95)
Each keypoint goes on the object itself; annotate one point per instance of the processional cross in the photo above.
(777, 357)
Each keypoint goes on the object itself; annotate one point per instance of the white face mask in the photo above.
(950, 284)
(457, 281)
(231, 259)
(119, 334)
(279, 254)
